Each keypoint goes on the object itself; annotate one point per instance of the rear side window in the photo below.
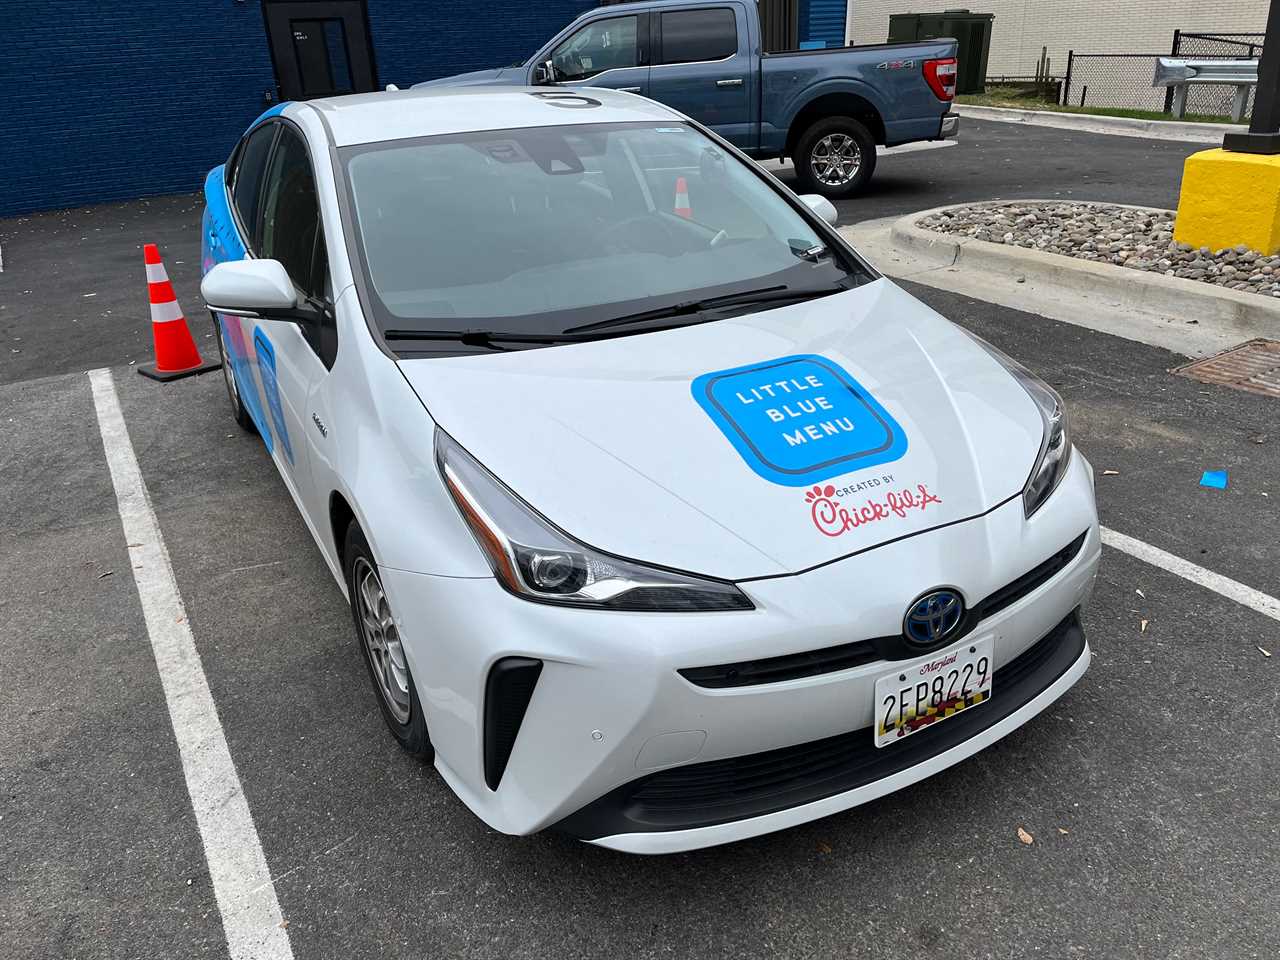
(689, 36)
(246, 188)
(291, 215)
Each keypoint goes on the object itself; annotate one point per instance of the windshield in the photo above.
(540, 230)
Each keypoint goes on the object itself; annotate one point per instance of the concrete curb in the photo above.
(1137, 290)
(1207, 133)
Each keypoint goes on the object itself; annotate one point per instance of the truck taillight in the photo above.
(941, 77)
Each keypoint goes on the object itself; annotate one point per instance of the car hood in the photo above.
(476, 78)
(753, 446)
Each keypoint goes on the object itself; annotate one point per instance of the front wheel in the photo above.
(835, 157)
(382, 648)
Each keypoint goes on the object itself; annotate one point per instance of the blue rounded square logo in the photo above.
(799, 420)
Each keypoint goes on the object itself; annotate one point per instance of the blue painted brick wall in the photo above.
(823, 20)
(114, 99)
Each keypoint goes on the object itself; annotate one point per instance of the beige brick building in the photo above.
(1022, 27)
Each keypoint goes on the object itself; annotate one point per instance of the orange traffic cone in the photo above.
(176, 353)
(682, 208)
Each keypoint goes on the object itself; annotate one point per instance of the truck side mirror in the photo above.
(544, 74)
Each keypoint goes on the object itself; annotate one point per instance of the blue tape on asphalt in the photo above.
(799, 420)
(1217, 479)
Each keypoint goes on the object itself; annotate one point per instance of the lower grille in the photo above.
(721, 791)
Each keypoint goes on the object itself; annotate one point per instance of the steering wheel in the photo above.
(570, 66)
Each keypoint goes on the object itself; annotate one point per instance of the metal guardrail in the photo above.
(1179, 74)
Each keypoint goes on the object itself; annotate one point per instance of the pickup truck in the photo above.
(826, 109)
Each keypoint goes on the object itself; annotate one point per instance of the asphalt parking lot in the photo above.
(1149, 789)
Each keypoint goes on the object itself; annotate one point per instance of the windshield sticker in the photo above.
(799, 420)
(884, 500)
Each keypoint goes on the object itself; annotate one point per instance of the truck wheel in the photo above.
(835, 157)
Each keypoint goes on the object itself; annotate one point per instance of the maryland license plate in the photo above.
(917, 695)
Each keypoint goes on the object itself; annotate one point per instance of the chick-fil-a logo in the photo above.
(833, 519)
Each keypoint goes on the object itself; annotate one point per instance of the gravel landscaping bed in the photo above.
(1139, 239)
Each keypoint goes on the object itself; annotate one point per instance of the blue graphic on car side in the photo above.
(799, 420)
(220, 242)
(267, 372)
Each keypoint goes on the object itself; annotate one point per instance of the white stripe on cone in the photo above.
(682, 208)
(156, 273)
(164, 312)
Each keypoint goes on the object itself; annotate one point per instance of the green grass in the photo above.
(1026, 98)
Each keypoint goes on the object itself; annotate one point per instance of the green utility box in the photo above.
(972, 30)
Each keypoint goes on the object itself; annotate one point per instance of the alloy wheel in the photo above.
(835, 159)
(381, 640)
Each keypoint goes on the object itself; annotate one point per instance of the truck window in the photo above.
(599, 46)
(690, 36)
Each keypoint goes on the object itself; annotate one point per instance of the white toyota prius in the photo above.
(664, 519)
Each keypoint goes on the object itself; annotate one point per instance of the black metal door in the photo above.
(320, 48)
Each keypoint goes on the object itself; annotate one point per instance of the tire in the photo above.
(238, 411)
(838, 137)
(393, 685)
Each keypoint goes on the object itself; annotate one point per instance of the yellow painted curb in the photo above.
(1228, 199)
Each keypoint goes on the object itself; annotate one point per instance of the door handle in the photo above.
(628, 89)
(736, 82)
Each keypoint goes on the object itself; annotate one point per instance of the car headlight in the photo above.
(536, 560)
(1055, 445)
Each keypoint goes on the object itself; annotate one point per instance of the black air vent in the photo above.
(810, 663)
(1011, 593)
(506, 698)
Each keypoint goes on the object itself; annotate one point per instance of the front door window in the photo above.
(599, 46)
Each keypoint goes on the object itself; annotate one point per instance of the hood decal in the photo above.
(800, 419)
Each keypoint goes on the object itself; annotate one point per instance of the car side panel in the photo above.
(378, 453)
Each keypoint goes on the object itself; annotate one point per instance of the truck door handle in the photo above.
(736, 82)
(629, 89)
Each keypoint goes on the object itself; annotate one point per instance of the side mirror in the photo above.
(821, 206)
(251, 288)
(544, 74)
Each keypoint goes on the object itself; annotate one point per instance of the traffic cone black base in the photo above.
(149, 370)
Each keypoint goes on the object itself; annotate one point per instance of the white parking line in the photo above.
(246, 896)
(1266, 605)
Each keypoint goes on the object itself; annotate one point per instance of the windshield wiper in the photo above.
(479, 338)
(772, 294)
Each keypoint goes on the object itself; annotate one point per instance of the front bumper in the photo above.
(611, 708)
(702, 804)
(950, 126)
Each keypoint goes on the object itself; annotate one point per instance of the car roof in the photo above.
(431, 111)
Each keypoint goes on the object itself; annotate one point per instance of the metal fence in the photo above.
(1117, 80)
(1211, 100)
(1123, 80)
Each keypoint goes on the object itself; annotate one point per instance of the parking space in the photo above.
(1131, 786)
(1147, 790)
